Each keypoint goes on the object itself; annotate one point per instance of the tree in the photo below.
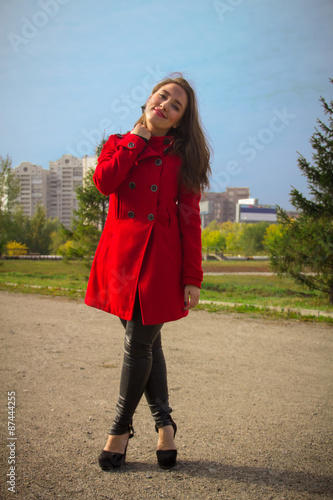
(9, 186)
(213, 240)
(13, 227)
(9, 191)
(252, 238)
(232, 232)
(89, 219)
(304, 249)
(93, 206)
(39, 230)
(212, 237)
(14, 248)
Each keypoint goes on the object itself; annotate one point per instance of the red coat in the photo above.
(151, 241)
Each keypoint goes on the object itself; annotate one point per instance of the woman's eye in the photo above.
(176, 107)
(162, 95)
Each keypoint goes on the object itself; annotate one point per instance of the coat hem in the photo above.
(127, 317)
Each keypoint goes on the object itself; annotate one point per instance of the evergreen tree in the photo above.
(304, 249)
(89, 219)
(93, 206)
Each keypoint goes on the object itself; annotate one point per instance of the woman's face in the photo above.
(165, 109)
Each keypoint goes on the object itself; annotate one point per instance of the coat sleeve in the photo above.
(116, 160)
(190, 230)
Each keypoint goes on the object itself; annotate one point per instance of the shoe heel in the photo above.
(166, 459)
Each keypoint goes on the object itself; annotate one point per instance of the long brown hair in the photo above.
(190, 141)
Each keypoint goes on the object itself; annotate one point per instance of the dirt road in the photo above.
(252, 399)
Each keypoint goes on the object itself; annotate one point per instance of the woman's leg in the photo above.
(156, 393)
(156, 390)
(137, 366)
(155, 386)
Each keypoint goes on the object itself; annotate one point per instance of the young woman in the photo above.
(147, 267)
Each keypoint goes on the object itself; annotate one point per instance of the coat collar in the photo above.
(160, 143)
(157, 146)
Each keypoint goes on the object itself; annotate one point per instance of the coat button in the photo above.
(119, 135)
(131, 144)
(158, 162)
(154, 188)
(151, 217)
(165, 151)
(131, 214)
(166, 140)
(132, 185)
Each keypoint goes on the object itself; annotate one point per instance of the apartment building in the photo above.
(66, 174)
(34, 183)
(54, 189)
(222, 206)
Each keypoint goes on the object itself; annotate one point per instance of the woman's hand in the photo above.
(142, 131)
(193, 292)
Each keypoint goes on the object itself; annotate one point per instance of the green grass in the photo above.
(254, 311)
(262, 290)
(54, 277)
(59, 278)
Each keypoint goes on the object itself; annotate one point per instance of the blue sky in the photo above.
(74, 69)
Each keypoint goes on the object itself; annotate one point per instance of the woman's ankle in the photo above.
(117, 443)
(166, 438)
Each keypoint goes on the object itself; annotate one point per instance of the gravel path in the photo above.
(252, 399)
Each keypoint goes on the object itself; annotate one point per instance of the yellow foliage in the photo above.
(66, 247)
(232, 244)
(16, 248)
(272, 232)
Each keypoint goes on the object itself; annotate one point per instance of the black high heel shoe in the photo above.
(166, 459)
(109, 460)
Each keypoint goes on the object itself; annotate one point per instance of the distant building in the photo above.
(251, 213)
(221, 206)
(54, 189)
(87, 163)
(66, 174)
(34, 183)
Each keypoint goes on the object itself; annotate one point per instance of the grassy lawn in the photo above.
(262, 290)
(70, 280)
(45, 277)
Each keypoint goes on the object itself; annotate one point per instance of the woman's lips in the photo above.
(159, 113)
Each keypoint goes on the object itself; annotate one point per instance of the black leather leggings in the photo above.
(143, 371)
